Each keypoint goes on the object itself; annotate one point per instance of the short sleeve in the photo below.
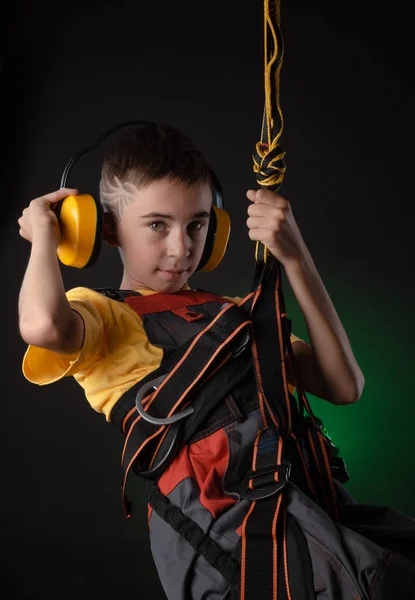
(294, 338)
(42, 366)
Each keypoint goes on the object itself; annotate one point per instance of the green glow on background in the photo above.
(375, 435)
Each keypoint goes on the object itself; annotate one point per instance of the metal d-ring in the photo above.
(245, 341)
(154, 384)
(242, 345)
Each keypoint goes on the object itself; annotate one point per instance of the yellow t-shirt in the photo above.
(115, 354)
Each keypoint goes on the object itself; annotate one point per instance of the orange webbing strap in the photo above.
(270, 339)
(264, 564)
(265, 569)
(172, 386)
(325, 486)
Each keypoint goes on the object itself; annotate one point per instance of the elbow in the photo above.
(360, 384)
(42, 335)
(354, 393)
(64, 337)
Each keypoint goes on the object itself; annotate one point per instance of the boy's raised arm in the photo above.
(46, 319)
(327, 368)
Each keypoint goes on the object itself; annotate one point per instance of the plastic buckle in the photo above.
(284, 470)
(154, 384)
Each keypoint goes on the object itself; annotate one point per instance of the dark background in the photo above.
(347, 94)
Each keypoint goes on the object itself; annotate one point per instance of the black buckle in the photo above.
(268, 488)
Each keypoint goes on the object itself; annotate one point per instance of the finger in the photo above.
(58, 195)
(272, 217)
(269, 197)
(23, 233)
(260, 235)
(258, 223)
(264, 210)
(251, 194)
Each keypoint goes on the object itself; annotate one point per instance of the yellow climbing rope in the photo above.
(269, 166)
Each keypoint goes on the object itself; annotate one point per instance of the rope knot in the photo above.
(269, 166)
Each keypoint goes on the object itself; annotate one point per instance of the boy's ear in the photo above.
(110, 230)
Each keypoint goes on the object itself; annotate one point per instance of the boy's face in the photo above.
(162, 234)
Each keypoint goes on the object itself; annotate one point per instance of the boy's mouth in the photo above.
(173, 274)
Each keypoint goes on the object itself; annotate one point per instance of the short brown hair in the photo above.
(145, 154)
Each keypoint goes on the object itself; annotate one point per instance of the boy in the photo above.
(156, 186)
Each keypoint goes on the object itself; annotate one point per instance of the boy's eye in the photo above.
(157, 226)
(196, 225)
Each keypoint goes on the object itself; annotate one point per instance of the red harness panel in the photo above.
(206, 461)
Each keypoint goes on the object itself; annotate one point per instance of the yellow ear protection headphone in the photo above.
(84, 224)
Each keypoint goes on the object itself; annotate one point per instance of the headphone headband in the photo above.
(217, 189)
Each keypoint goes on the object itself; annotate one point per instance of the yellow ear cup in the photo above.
(81, 224)
(220, 240)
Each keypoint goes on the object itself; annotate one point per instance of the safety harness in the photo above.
(239, 352)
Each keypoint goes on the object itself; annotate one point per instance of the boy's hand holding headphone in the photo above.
(39, 218)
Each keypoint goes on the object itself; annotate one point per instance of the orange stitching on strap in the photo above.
(128, 436)
(274, 420)
(287, 581)
(127, 416)
(187, 390)
(247, 297)
(261, 394)
(275, 548)
(307, 474)
(164, 382)
(158, 447)
(135, 456)
(283, 368)
(279, 457)
(243, 551)
(257, 293)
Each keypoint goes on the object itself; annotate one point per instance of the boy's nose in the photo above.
(179, 245)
